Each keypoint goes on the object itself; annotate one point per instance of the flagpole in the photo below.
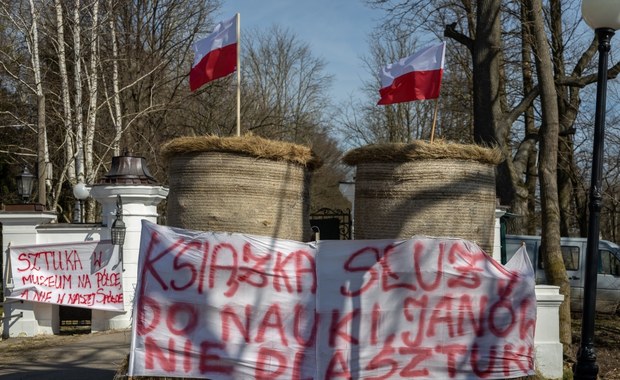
(238, 74)
(434, 119)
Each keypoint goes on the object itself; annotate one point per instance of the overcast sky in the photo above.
(337, 31)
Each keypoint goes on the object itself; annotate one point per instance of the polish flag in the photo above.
(215, 56)
(413, 78)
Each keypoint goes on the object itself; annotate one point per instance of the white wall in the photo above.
(23, 228)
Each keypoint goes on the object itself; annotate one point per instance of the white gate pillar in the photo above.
(140, 195)
(549, 350)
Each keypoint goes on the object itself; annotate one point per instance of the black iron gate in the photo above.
(74, 318)
(332, 224)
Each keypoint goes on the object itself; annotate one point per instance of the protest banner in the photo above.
(233, 306)
(81, 274)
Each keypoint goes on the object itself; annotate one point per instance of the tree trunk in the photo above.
(69, 163)
(42, 150)
(486, 59)
(547, 168)
(77, 102)
(117, 116)
(93, 90)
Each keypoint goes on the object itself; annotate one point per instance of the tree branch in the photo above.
(451, 32)
(575, 81)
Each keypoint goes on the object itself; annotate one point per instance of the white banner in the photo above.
(233, 306)
(81, 274)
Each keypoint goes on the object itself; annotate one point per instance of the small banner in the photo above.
(81, 274)
(233, 306)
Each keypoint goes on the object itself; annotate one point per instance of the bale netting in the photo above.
(241, 184)
(436, 189)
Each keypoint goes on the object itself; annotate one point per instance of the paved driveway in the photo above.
(94, 356)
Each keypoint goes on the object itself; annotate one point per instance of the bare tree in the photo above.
(547, 167)
(365, 122)
(26, 18)
(285, 86)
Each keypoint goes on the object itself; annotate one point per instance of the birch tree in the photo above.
(77, 99)
(25, 18)
(69, 167)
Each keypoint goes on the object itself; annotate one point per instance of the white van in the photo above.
(574, 253)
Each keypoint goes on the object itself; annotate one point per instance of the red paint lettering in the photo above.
(466, 312)
(153, 354)
(442, 313)
(229, 317)
(300, 324)
(527, 326)
(272, 313)
(374, 323)
(232, 283)
(451, 351)
(419, 355)
(108, 297)
(516, 358)
(187, 356)
(182, 318)
(257, 270)
(25, 259)
(464, 261)
(387, 273)
(179, 265)
(364, 255)
(299, 259)
(338, 367)
(489, 359)
(337, 327)
(149, 262)
(384, 359)
(212, 363)
(499, 325)
(145, 326)
(298, 366)
(418, 250)
(110, 279)
(265, 360)
(409, 306)
(203, 267)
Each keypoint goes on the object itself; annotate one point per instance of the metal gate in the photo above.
(332, 224)
(74, 318)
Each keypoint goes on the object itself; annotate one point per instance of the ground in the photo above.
(606, 344)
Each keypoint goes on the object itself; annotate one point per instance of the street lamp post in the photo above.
(604, 17)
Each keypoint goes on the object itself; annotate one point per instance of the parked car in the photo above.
(574, 254)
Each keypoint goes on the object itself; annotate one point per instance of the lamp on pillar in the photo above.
(604, 17)
(80, 192)
(24, 184)
(118, 230)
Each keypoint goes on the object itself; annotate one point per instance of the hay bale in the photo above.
(440, 189)
(240, 184)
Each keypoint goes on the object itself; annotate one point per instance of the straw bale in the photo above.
(422, 150)
(222, 191)
(250, 145)
(441, 197)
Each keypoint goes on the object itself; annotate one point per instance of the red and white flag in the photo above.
(215, 56)
(413, 78)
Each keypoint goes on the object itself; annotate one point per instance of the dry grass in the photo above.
(606, 344)
(422, 150)
(250, 145)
